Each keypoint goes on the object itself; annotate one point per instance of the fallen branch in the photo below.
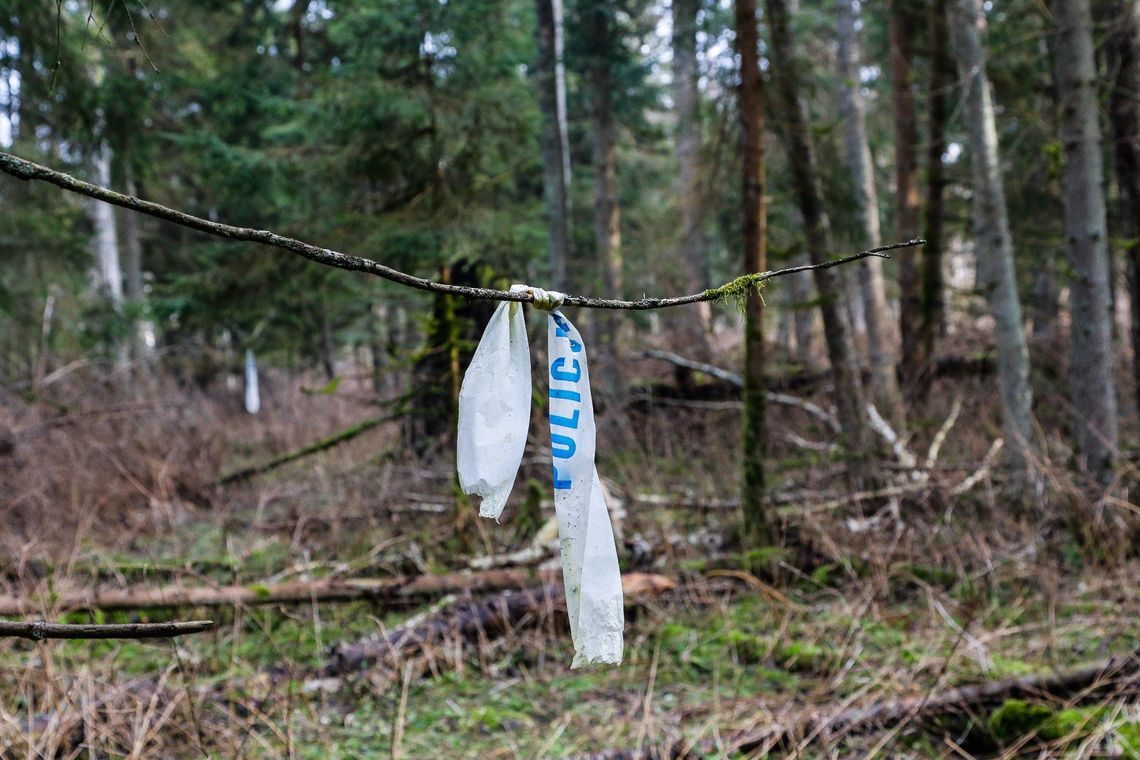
(484, 618)
(1115, 677)
(39, 630)
(737, 381)
(1117, 674)
(392, 589)
(27, 170)
(347, 434)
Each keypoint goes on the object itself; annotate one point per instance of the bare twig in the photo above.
(28, 170)
(38, 630)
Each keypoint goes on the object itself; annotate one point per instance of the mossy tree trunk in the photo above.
(756, 532)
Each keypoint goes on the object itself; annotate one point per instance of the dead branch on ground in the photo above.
(37, 630)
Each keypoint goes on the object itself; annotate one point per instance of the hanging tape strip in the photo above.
(494, 419)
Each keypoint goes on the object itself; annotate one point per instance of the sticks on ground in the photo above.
(483, 618)
(397, 589)
(38, 630)
(347, 434)
(1113, 678)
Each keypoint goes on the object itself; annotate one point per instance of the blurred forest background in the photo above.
(880, 509)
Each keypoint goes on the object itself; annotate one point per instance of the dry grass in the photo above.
(888, 597)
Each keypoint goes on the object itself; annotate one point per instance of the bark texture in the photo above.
(1082, 180)
(753, 234)
(1124, 111)
(907, 202)
(881, 332)
(941, 77)
(849, 398)
(993, 244)
(107, 235)
(551, 79)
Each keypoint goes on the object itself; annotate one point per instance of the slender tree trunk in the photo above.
(1045, 294)
(1082, 179)
(607, 219)
(803, 310)
(901, 32)
(107, 248)
(757, 532)
(941, 75)
(132, 243)
(686, 99)
(881, 333)
(849, 398)
(993, 245)
(107, 235)
(551, 78)
(1124, 111)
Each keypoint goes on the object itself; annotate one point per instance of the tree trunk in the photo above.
(993, 245)
(607, 219)
(1082, 179)
(881, 333)
(849, 398)
(901, 32)
(941, 76)
(107, 235)
(803, 310)
(686, 101)
(132, 242)
(107, 248)
(1124, 111)
(753, 234)
(551, 78)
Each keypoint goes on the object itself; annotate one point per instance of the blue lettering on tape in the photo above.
(568, 376)
(559, 484)
(566, 422)
(567, 444)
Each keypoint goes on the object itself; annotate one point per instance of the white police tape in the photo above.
(494, 417)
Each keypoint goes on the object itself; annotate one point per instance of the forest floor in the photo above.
(905, 594)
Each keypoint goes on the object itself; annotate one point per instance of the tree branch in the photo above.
(39, 630)
(27, 170)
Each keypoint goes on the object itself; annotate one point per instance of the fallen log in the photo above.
(335, 439)
(1114, 678)
(394, 589)
(486, 617)
(37, 630)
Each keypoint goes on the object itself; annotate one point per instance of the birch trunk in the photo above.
(1082, 180)
(551, 78)
(142, 330)
(881, 333)
(107, 235)
(757, 532)
(849, 399)
(993, 245)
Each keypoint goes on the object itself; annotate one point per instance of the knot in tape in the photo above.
(544, 300)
